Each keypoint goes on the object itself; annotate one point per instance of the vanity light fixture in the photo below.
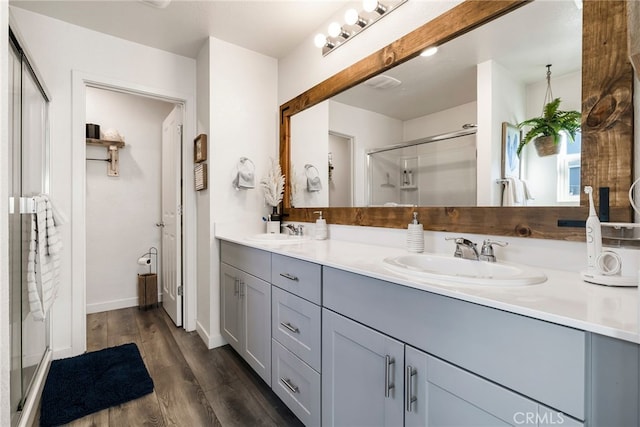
(374, 6)
(335, 31)
(355, 22)
(430, 51)
(351, 17)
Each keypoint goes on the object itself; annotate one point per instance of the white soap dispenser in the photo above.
(321, 227)
(415, 235)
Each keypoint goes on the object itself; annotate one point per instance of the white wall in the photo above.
(444, 121)
(203, 205)
(122, 211)
(5, 344)
(310, 131)
(369, 130)
(58, 48)
(243, 120)
(502, 99)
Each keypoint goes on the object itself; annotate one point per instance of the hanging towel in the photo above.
(245, 175)
(43, 262)
(516, 192)
(313, 178)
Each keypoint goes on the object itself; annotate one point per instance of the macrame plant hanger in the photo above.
(548, 96)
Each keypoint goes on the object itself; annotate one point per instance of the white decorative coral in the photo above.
(273, 184)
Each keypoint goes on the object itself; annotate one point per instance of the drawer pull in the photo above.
(290, 327)
(409, 383)
(289, 276)
(388, 385)
(287, 383)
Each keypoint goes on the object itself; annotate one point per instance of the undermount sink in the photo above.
(277, 238)
(450, 270)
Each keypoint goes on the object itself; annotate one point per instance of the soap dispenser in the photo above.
(321, 227)
(415, 235)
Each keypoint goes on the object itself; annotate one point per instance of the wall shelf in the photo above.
(104, 143)
(113, 166)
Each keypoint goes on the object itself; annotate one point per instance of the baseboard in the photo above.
(32, 403)
(211, 341)
(114, 305)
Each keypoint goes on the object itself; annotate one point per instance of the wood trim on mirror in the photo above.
(607, 126)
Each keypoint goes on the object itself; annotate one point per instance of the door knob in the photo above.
(159, 224)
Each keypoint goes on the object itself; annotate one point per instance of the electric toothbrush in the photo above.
(594, 233)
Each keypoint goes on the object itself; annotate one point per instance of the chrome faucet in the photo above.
(296, 230)
(465, 248)
(486, 253)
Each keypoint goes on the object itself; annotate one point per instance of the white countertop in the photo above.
(563, 299)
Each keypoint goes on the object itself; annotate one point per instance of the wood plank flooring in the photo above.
(194, 386)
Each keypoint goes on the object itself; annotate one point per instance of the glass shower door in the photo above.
(28, 174)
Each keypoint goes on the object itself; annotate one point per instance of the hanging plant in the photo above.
(546, 131)
(551, 124)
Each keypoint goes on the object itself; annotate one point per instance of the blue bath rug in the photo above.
(81, 385)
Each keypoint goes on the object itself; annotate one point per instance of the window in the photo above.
(569, 168)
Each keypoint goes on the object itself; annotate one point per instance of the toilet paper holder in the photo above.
(146, 259)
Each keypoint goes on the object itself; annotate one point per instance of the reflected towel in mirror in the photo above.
(516, 192)
(313, 178)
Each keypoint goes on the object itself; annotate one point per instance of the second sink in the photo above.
(440, 269)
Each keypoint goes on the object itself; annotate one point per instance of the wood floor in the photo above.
(194, 386)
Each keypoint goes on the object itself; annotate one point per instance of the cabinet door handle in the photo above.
(235, 286)
(289, 276)
(388, 361)
(289, 385)
(290, 327)
(408, 380)
(242, 288)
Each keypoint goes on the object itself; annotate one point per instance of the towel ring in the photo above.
(249, 162)
(308, 167)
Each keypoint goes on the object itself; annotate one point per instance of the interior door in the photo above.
(171, 225)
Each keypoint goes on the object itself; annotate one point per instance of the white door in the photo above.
(171, 226)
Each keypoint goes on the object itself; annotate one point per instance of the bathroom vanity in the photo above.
(344, 341)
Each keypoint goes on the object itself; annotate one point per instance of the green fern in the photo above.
(552, 122)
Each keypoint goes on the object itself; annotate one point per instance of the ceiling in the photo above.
(271, 27)
(523, 42)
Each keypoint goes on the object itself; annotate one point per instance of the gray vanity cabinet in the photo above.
(246, 305)
(362, 375)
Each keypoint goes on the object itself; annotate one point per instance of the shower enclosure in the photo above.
(28, 176)
(438, 170)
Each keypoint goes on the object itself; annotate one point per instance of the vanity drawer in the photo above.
(254, 261)
(301, 278)
(296, 325)
(296, 384)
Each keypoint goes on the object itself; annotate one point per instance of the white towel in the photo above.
(513, 193)
(516, 192)
(245, 176)
(43, 262)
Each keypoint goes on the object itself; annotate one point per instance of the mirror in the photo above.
(437, 95)
(606, 128)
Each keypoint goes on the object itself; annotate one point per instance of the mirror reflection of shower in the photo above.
(438, 170)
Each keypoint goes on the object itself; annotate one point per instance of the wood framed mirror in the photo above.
(607, 126)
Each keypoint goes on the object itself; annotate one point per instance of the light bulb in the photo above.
(351, 16)
(430, 51)
(334, 29)
(369, 5)
(320, 40)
